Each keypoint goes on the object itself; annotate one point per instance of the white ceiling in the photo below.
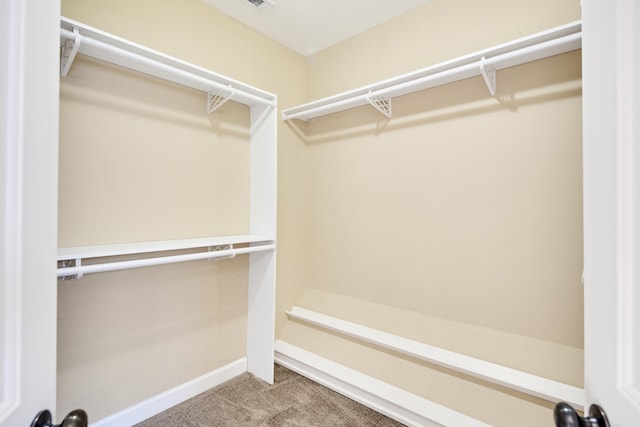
(308, 26)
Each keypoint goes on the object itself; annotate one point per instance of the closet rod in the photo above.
(538, 46)
(157, 65)
(80, 270)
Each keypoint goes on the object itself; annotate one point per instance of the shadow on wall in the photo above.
(141, 159)
(95, 83)
(538, 82)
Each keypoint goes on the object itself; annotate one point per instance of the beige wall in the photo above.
(141, 160)
(436, 32)
(460, 206)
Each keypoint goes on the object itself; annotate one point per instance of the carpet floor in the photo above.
(292, 400)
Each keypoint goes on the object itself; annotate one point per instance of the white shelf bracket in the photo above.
(68, 52)
(489, 75)
(217, 97)
(219, 248)
(381, 103)
(72, 263)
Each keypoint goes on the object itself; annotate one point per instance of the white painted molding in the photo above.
(163, 401)
(11, 149)
(400, 405)
(611, 185)
(524, 382)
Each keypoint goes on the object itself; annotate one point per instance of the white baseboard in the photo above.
(152, 406)
(402, 406)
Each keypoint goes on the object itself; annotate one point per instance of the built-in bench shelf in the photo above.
(514, 379)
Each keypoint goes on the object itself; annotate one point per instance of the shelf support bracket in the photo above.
(70, 263)
(68, 52)
(381, 103)
(217, 248)
(217, 97)
(489, 75)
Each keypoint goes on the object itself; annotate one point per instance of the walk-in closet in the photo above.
(441, 209)
(398, 216)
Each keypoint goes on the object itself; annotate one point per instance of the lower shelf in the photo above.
(523, 382)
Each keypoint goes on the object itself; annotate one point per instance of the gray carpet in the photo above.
(291, 401)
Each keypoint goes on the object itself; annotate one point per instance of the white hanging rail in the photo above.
(80, 38)
(215, 248)
(548, 43)
(77, 271)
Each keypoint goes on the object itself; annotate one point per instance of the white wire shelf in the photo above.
(484, 63)
(70, 259)
(77, 38)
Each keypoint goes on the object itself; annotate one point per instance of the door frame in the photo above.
(29, 77)
(611, 168)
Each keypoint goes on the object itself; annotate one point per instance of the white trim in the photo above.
(28, 139)
(261, 312)
(402, 406)
(163, 401)
(11, 188)
(628, 107)
(610, 105)
(524, 382)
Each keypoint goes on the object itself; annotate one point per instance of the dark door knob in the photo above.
(565, 416)
(75, 418)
